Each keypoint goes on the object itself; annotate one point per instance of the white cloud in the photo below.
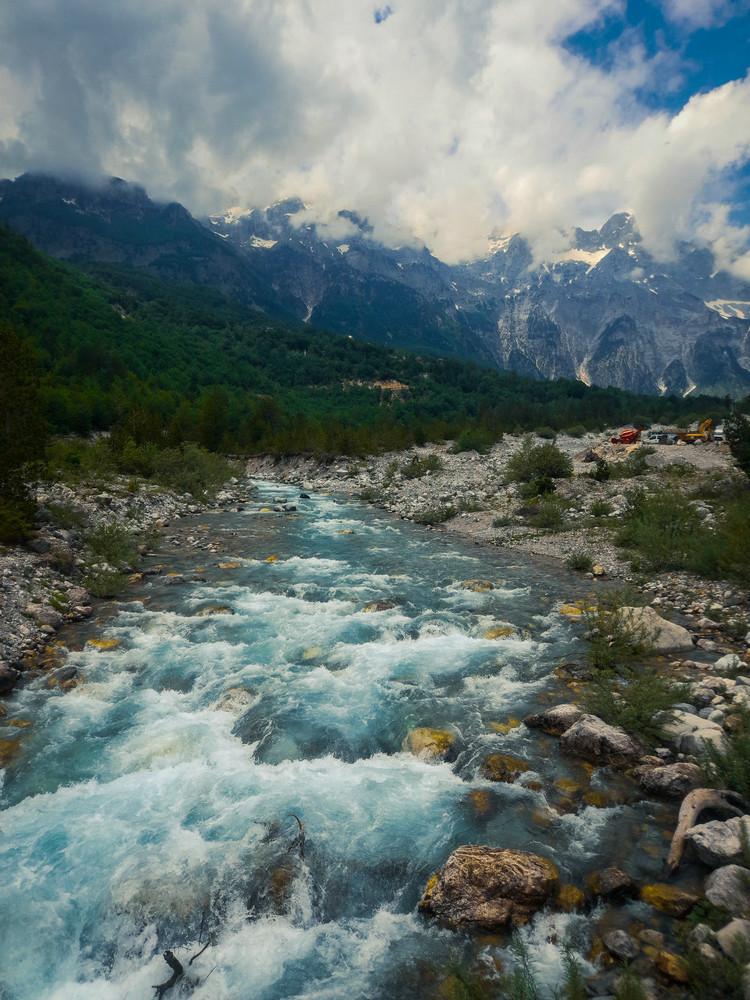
(440, 122)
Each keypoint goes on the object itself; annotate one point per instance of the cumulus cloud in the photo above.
(438, 120)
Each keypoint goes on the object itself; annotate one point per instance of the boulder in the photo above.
(669, 899)
(236, 701)
(9, 677)
(378, 606)
(730, 661)
(429, 744)
(718, 843)
(610, 883)
(735, 933)
(488, 888)
(664, 636)
(502, 767)
(477, 586)
(728, 887)
(687, 733)
(556, 720)
(593, 740)
(570, 899)
(673, 781)
(621, 945)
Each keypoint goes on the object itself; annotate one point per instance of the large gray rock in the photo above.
(687, 733)
(555, 720)
(664, 636)
(673, 781)
(594, 740)
(728, 887)
(718, 843)
(9, 677)
(488, 888)
(621, 945)
(729, 934)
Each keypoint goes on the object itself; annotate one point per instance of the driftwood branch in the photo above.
(177, 972)
(299, 840)
(693, 805)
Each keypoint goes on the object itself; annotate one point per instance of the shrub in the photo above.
(372, 494)
(191, 469)
(417, 467)
(472, 439)
(546, 432)
(67, 515)
(634, 465)
(532, 462)
(602, 471)
(614, 638)
(730, 767)
(737, 436)
(577, 431)
(662, 526)
(641, 706)
(114, 544)
(502, 521)
(551, 513)
(600, 508)
(580, 561)
(435, 515)
(16, 518)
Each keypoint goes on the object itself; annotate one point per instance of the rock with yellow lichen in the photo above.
(489, 888)
(669, 899)
(502, 767)
(429, 744)
(477, 586)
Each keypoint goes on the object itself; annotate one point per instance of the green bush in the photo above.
(730, 767)
(600, 508)
(546, 432)
(662, 526)
(580, 561)
(614, 638)
(641, 705)
(416, 467)
(577, 431)
(737, 436)
(435, 515)
(634, 465)
(551, 514)
(502, 521)
(191, 469)
(602, 471)
(114, 544)
(68, 516)
(473, 439)
(16, 518)
(533, 462)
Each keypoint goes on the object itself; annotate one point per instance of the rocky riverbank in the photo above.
(44, 584)
(469, 495)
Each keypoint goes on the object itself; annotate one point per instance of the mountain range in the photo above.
(604, 311)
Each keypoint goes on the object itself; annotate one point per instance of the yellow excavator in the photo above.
(704, 433)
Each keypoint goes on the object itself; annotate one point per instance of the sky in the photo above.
(440, 121)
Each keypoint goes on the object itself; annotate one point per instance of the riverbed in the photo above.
(230, 770)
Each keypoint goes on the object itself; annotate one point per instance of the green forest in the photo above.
(159, 364)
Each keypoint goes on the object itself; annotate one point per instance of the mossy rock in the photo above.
(215, 609)
(429, 744)
(505, 727)
(477, 586)
(103, 643)
(570, 899)
(378, 606)
(502, 767)
(669, 899)
(499, 633)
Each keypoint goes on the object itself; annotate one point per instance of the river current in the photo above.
(149, 810)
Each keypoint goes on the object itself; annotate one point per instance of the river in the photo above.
(140, 816)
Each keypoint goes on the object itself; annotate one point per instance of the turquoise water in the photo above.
(140, 817)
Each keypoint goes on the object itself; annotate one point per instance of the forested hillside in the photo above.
(160, 363)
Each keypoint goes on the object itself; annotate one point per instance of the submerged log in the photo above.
(692, 806)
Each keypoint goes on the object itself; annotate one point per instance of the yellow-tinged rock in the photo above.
(136, 578)
(173, 574)
(670, 965)
(543, 816)
(669, 899)
(480, 800)
(230, 565)
(478, 586)
(595, 799)
(103, 643)
(502, 767)
(346, 531)
(429, 744)
(504, 727)
(568, 785)
(272, 558)
(215, 609)
(499, 633)
(266, 510)
(312, 652)
(18, 723)
(378, 606)
(598, 569)
(571, 611)
(532, 785)
(8, 750)
(570, 899)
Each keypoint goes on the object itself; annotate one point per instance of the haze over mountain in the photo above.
(601, 309)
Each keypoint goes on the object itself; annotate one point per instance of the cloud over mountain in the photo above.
(438, 120)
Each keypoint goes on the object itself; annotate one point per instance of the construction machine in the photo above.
(629, 436)
(704, 433)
